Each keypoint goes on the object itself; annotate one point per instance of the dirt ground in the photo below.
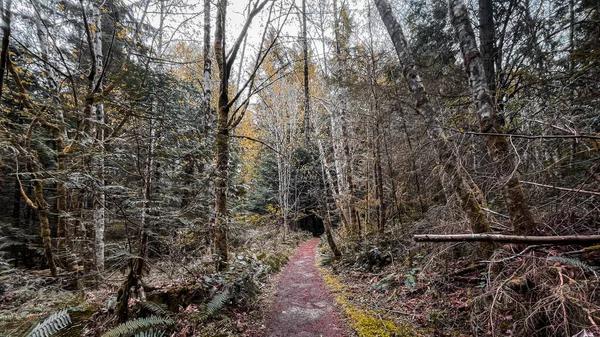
(302, 305)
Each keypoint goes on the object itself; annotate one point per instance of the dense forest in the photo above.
(161, 161)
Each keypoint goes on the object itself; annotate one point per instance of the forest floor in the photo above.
(302, 304)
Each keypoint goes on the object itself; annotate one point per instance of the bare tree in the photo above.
(305, 77)
(472, 201)
(226, 121)
(490, 122)
(339, 122)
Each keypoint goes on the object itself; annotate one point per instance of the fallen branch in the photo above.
(515, 135)
(561, 188)
(556, 240)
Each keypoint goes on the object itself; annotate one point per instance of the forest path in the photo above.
(303, 305)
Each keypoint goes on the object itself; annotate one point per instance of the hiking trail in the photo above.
(303, 305)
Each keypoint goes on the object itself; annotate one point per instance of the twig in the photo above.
(495, 213)
(527, 249)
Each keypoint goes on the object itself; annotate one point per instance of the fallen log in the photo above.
(555, 240)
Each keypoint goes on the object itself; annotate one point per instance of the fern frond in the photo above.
(155, 308)
(325, 260)
(134, 326)
(55, 322)
(150, 333)
(218, 302)
(573, 262)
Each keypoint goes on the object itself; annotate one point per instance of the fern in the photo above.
(325, 260)
(134, 326)
(155, 308)
(150, 333)
(218, 302)
(55, 322)
(573, 262)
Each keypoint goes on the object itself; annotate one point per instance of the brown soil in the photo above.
(303, 306)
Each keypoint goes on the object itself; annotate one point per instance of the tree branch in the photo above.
(236, 46)
(257, 141)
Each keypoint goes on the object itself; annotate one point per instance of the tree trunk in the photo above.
(381, 204)
(6, 13)
(16, 210)
(222, 155)
(305, 72)
(329, 235)
(41, 209)
(487, 36)
(490, 122)
(327, 181)
(339, 129)
(469, 195)
(61, 203)
(40, 206)
(99, 201)
(219, 228)
(221, 144)
(60, 136)
(330, 182)
(207, 59)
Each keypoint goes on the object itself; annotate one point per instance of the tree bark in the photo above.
(95, 111)
(470, 196)
(6, 14)
(41, 208)
(381, 203)
(223, 128)
(207, 59)
(487, 36)
(490, 122)
(221, 144)
(340, 129)
(60, 135)
(99, 201)
(16, 210)
(39, 205)
(42, 213)
(330, 182)
(305, 72)
(556, 240)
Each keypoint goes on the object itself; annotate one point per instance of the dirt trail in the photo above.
(303, 306)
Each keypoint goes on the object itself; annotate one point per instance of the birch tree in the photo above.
(94, 124)
(497, 146)
(339, 119)
(469, 194)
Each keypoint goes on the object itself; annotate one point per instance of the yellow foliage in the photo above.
(250, 150)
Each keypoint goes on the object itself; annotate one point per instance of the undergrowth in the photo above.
(457, 289)
(365, 322)
(538, 295)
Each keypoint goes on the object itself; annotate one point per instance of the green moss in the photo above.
(365, 322)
